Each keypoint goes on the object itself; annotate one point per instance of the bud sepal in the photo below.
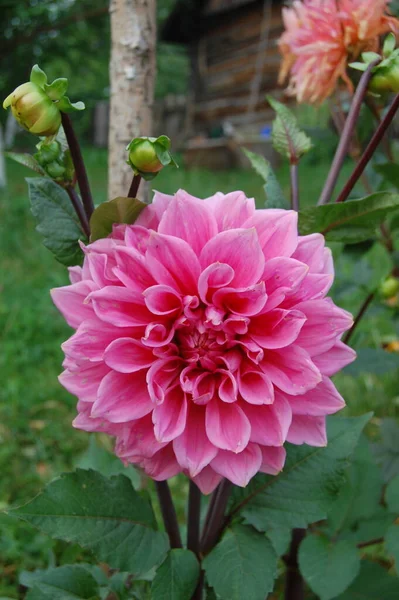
(385, 75)
(148, 156)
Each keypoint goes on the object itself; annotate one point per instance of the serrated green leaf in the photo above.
(280, 538)
(177, 577)
(242, 565)
(57, 89)
(70, 582)
(66, 106)
(99, 459)
(372, 583)
(288, 139)
(107, 516)
(306, 488)
(387, 450)
(392, 544)
(328, 568)
(274, 194)
(27, 160)
(118, 210)
(392, 495)
(373, 360)
(38, 76)
(56, 220)
(349, 222)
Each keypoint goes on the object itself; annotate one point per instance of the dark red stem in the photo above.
(358, 317)
(294, 584)
(134, 187)
(193, 524)
(216, 519)
(294, 186)
(76, 203)
(168, 514)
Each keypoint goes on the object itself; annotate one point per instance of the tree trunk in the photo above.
(132, 77)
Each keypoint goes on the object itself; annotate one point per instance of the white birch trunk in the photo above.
(132, 77)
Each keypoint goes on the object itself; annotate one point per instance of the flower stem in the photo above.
(369, 151)
(193, 525)
(216, 518)
(134, 186)
(79, 165)
(76, 203)
(294, 585)
(168, 513)
(359, 315)
(370, 543)
(294, 186)
(346, 137)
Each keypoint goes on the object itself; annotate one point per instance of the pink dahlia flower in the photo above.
(321, 36)
(204, 339)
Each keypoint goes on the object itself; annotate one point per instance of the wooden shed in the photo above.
(234, 62)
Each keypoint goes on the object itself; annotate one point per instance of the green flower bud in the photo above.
(386, 79)
(48, 152)
(390, 287)
(55, 170)
(147, 156)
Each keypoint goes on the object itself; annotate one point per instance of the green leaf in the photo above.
(306, 488)
(370, 57)
(242, 565)
(389, 171)
(56, 220)
(392, 544)
(389, 45)
(288, 139)
(38, 76)
(280, 538)
(27, 160)
(387, 450)
(372, 583)
(328, 568)
(177, 577)
(392, 495)
(274, 194)
(359, 66)
(349, 222)
(118, 210)
(57, 89)
(70, 582)
(107, 516)
(373, 360)
(99, 459)
(66, 106)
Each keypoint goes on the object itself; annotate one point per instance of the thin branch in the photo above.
(369, 151)
(79, 165)
(294, 186)
(358, 317)
(294, 584)
(134, 186)
(346, 137)
(193, 524)
(216, 519)
(168, 513)
(79, 209)
(373, 108)
(370, 543)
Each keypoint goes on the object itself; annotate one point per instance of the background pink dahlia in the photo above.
(204, 339)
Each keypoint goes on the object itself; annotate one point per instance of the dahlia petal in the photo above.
(172, 262)
(71, 301)
(245, 302)
(157, 335)
(169, 418)
(273, 459)
(127, 355)
(308, 430)
(276, 328)
(238, 468)
(335, 359)
(313, 287)
(84, 382)
(227, 426)
(240, 249)
(207, 480)
(217, 275)
(138, 440)
(325, 322)
(204, 388)
(189, 219)
(231, 210)
(277, 231)
(137, 237)
(227, 389)
(163, 300)
(132, 270)
(87, 423)
(163, 465)
(291, 369)
(162, 375)
(310, 250)
(269, 423)
(322, 400)
(100, 271)
(282, 276)
(151, 215)
(122, 397)
(75, 274)
(192, 448)
(254, 386)
(120, 307)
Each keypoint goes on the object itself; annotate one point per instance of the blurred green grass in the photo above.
(37, 441)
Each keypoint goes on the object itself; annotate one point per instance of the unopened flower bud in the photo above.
(48, 152)
(390, 287)
(386, 79)
(147, 156)
(55, 170)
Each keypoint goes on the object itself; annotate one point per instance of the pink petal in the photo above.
(276, 328)
(277, 231)
(163, 300)
(308, 430)
(138, 441)
(246, 302)
(254, 386)
(291, 369)
(207, 480)
(172, 262)
(227, 388)
(313, 287)
(120, 307)
(217, 275)
(100, 271)
(75, 274)
(322, 400)
(132, 270)
(163, 465)
(192, 448)
(238, 468)
(157, 335)
(324, 323)
(273, 459)
(227, 426)
(169, 418)
(231, 210)
(240, 249)
(127, 355)
(204, 388)
(137, 237)
(269, 423)
(84, 382)
(162, 375)
(310, 250)
(152, 214)
(71, 301)
(189, 219)
(282, 276)
(335, 359)
(122, 398)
